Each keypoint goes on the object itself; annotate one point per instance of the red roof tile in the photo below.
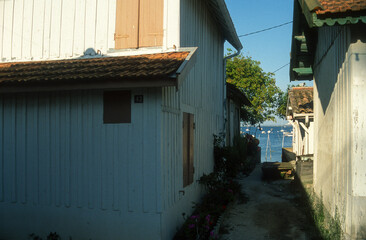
(301, 99)
(147, 67)
(340, 6)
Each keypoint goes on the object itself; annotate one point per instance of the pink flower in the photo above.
(191, 225)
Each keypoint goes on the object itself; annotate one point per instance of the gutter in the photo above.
(224, 93)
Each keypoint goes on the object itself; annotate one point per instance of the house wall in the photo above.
(201, 94)
(232, 121)
(63, 170)
(340, 116)
(58, 29)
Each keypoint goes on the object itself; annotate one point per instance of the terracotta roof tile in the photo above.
(151, 66)
(340, 6)
(301, 99)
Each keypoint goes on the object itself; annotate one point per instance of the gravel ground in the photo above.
(274, 210)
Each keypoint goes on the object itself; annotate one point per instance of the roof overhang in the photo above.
(237, 95)
(221, 14)
(308, 16)
(152, 70)
(303, 45)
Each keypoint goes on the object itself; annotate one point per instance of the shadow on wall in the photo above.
(328, 79)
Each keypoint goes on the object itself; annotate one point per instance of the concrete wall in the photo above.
(340, 134)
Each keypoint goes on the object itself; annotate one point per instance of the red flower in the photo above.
(223, 207)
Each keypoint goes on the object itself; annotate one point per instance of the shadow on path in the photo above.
(275, 210)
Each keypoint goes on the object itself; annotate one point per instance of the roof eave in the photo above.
(219, 8)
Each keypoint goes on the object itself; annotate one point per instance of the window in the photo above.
(117, 107)
(139, 23)
(188, 148)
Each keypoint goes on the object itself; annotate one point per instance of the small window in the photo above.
(117, 107)
(188, 148)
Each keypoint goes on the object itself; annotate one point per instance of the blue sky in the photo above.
(271, 48)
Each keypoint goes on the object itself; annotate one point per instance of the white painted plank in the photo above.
(102, 26)
(67, 28)
(27, 29)
(8, 29)
(123, 163)
(97, 142)
(74, 148)
(47, 29)
(17, 30)
(89, 157)
(32, 152)
(90, 23)
(111, 23)
(117, 165)
(38, 28)
(20, 148)
(150, 145)
(9, 150)
(2, 14)
(1, 148)
(79, 32)
(79, 148)
(66, 149)
(44, 150)
(135, 177)
(55, 149)
(56, 16)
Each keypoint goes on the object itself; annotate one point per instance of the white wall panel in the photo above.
(339, 170)
(40, 29)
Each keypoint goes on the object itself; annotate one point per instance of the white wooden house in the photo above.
(236, 100)
(301, 116)
(107, 114)
(329, 47)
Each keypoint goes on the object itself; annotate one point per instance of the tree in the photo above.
(259, 86)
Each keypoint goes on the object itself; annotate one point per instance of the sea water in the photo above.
(271, 140)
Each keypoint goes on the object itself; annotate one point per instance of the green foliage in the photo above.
(259, 86)
(229, 160)
(221, 190)
(282, 104)
(329, 227)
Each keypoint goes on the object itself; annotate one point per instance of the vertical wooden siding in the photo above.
(56, 151)
(42, 29)
(200, 94)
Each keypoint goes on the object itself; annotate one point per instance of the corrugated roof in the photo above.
(150, 67)
(301, 100)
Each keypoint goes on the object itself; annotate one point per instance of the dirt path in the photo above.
(273, 211)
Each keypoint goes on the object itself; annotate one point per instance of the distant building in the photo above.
(301, 116)
(235, 112)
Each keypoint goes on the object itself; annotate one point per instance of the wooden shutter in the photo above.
(151, 23)
(188, 148)
(127, 21)
(117, 107)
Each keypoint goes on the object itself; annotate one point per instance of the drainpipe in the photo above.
(225, 97)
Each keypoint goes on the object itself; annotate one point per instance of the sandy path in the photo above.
(272, 212)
